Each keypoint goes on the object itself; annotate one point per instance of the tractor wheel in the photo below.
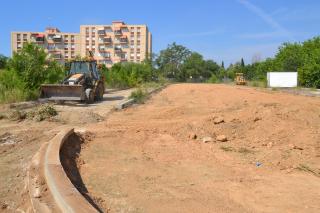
(99, 92)
(89, 96)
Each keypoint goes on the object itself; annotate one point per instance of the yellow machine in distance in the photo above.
(240, 79)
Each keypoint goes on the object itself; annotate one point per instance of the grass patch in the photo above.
(256, 83)
(42, 112)
(227, 148)
(213, 79)
(140, 95)
(243, 150)
(16, 115)
(306, 168)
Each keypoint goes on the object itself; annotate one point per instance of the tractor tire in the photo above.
(99, 92)
(89, 96)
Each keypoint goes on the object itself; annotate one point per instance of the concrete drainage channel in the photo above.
(54, 182)
(51, 177)
(131, 101)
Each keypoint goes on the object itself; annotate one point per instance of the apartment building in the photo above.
(61, 46)
(117, 42)
(110, 44)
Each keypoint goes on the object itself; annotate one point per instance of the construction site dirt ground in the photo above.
(164, 156)
(153, 158)
(20, 140)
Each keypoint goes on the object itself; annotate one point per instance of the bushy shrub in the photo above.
(213, 79)
(139, 95)
(26, 71)
(126, 75)
(42, 112)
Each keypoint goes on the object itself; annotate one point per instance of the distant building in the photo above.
(118, 42)
(61, 46)
(110, 44)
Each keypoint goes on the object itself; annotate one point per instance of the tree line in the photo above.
(22, 75)
(303, 57)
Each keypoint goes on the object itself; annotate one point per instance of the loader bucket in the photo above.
(60, 92)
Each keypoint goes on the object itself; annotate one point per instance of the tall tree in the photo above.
(3, 61)
(170, 60)
(242, 63)
(222, 65)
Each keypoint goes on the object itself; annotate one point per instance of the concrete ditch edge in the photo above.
(131, 101)
(63, 196)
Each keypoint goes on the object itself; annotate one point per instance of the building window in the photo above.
(93, 30)
(18, 37)
(72, 38)
(108, 29)
(19, 45)
(87, 29)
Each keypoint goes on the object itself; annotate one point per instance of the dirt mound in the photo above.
(261, 152)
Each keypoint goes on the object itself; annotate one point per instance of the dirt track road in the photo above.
(143, 159)
(19, 141)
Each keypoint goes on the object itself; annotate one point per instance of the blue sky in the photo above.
(218, 29)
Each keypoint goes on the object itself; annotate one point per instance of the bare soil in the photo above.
(153, 158)
(20, 140)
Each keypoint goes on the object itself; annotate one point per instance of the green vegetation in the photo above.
(178, 63)
(22, 75)
(139, 95)
(303, 58)
(126, 75)
(25, 72)
(3, 62)
(227, 148)
(306, 168)
(42, 112)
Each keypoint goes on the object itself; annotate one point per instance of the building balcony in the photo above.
(106, 40)
(57, 39)
(117, 50)
(107, 57)
(57, 56)
(101, 32)
(123, 59)
(103, 50)
(117, 32)
(123, 40)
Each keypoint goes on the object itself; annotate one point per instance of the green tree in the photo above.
(3, 61)
(290, 57)
(170, 60)
(125, 75)
(34, 67)
(222, 65)
(242, 63)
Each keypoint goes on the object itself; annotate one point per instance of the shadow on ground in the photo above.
(69, 156)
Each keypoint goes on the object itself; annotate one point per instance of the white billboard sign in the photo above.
(282, 79)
